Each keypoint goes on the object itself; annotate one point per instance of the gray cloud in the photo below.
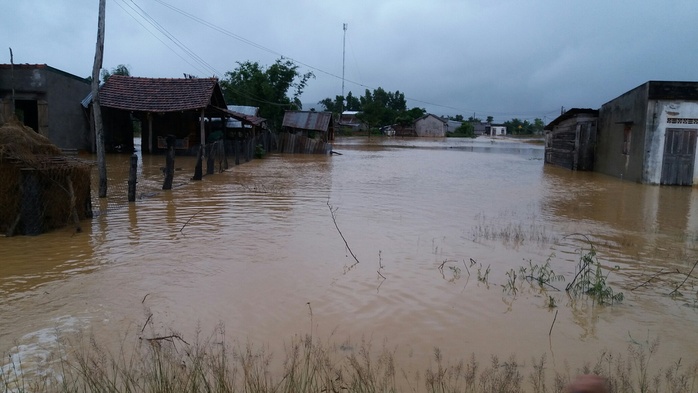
(504, 58)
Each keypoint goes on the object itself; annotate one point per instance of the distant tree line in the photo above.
(377, 108)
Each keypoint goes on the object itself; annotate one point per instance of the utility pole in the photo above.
(12, 81)
(344, 45)
(96, 110)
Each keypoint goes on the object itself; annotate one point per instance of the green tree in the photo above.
(336, 106)
(121, 69)
(380, 107)
(465, 130)
(408, 117)
(273, 89)
(519, 127)
(352, 103)
(490, 119)
(538, 126)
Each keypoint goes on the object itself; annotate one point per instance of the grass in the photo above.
(212, 365)
(513, 234)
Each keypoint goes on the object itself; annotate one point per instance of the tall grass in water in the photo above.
(172, 365)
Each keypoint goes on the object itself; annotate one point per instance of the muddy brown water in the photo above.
(256, 249)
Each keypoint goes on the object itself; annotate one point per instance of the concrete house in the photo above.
(648, 134)
(570, 139)
(47, 100)
(430, 126)
(498, 130)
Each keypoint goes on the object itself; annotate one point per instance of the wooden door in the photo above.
(679, 155)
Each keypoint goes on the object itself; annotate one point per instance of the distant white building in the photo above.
(496, 130)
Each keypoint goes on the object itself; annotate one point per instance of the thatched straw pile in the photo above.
(57, 195)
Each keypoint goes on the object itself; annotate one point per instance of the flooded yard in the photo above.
(408, 243)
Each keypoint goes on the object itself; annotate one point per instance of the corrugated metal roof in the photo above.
(245, 110)
(304, 120)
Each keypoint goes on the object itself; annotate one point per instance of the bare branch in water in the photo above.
(334, 219)
(168, 338)
(684, 280)
(190, 218)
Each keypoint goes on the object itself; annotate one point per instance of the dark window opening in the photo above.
(28, 113)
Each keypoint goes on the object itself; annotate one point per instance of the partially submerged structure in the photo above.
(40, 188)
(165, 106)
(47, 100)
(306, 132)
(430, 126)
(647, 135)
(570, 139)
(349, 120)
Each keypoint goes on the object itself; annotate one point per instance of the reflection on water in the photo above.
(253, 247)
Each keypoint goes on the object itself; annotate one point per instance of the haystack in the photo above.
(40, 188)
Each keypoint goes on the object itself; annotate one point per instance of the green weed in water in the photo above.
(590, 280)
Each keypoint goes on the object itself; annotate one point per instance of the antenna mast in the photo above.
(344, 45)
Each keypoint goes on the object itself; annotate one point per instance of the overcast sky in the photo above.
(505, 58)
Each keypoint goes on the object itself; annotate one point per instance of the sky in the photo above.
(502, 58)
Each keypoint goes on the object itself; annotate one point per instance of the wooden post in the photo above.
(150, 132)
(236, 143)
(96, 111)
(198, 175)
(202, 128)
(169, 163)
(209, 159)
(73, 209)
(132, 174)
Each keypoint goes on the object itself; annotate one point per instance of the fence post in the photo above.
(198, 171)
(210, 163)
(169, 163)
(132, 175)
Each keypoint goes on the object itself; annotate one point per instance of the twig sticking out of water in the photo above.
(167, 338)
(190, 218)
(684, 280)
(380, 265)
(553, 324)
(334, 219)
(146, 322)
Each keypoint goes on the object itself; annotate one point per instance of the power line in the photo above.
(276, 53)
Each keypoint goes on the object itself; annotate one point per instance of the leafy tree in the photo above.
(267, 88)
(352, 104)
(490, 119)
(381, 107)
(538, 126)
(464, 130)
(340, 105)
(121, 69)
(473, 119)
(336, 106)
(408, 117)
(519, 127)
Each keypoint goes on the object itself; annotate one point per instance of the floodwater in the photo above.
(260, 249)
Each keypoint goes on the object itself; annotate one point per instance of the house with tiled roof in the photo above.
(181, 107)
